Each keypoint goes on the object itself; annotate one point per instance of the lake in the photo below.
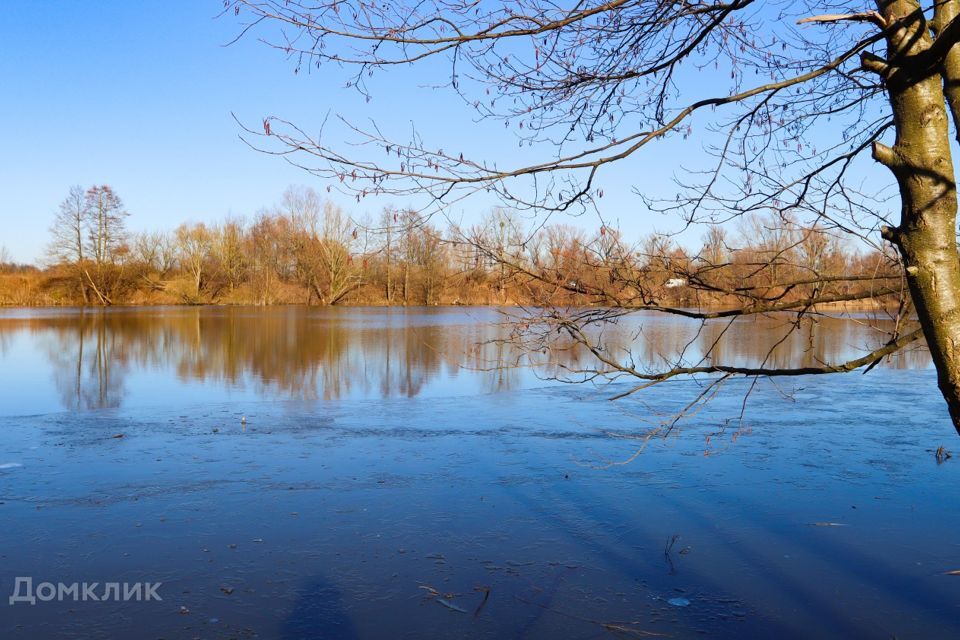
(296, 472)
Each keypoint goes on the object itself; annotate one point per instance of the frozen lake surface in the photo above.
(364, 473)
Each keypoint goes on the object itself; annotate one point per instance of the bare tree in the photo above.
(268, 261)
(89, 237)
(194, 249)
(302, 210)
(228, 250)
(320, 241)
(423, 256)
(157, 250)
(106, 241)
(387, 235)
(336, 251)
(68, 233)
(715, 250)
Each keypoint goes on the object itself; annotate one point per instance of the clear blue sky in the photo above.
(139, 95)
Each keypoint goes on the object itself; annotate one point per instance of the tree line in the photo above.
(309, 251)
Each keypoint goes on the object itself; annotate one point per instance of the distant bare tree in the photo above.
(715, 250)
(69, 236)
(320, 240)
(194, 248)
(423, 258)
(228, 250)
(269, 262)
(156, 252)
(336, 248)
(387, 234)
(106, 241)
(302, 211)
(89, 236)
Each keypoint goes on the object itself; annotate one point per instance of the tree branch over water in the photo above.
(788, 121)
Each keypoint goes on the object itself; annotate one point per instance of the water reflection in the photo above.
(325, 354)
(89, 364)
(772, 341)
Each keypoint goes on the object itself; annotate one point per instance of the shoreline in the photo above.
(835, 307)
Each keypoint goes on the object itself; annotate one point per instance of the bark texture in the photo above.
(919, 88)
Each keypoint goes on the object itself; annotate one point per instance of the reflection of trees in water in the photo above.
(320, 353)
(291, 352)
(653, 342)
(779, 342)
(89, 363)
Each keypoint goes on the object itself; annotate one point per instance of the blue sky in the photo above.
(139, 95)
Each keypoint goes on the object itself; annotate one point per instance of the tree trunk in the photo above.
(104, 300)
(83, 288)
(921, 162)
(946, 11)
(318, 292)
(389, 267)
